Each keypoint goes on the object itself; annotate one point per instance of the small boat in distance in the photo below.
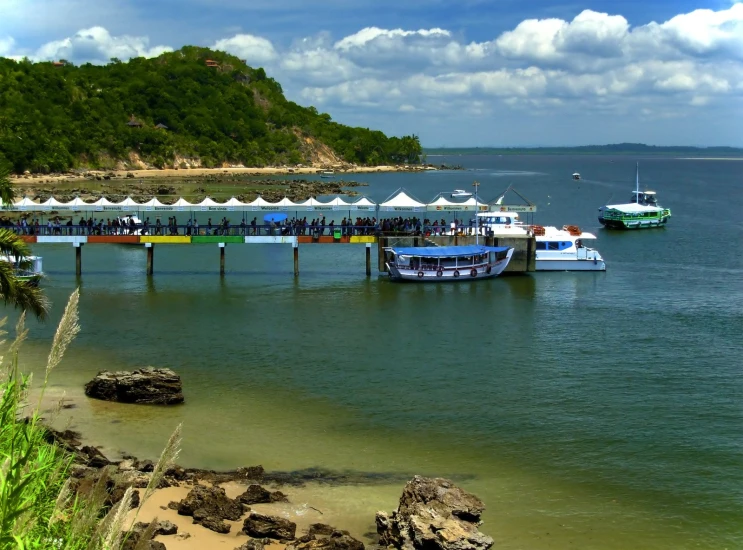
(642, 213)
(31, 274)
(576, 176)
(460, 194)
(327, 174)
(447, 263)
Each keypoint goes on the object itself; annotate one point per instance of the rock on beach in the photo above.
(434, 514)
(145, 386)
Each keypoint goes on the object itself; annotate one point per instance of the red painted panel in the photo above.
(113, 239)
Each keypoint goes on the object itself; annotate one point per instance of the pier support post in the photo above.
(368, 259)
(381, 243)
(150, 258)
(221, 259)
(295, 245)
(78, 258)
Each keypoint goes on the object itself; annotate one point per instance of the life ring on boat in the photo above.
(456, 273)
(473, 273)
(440, 273)
(488, 270)
(420, 274)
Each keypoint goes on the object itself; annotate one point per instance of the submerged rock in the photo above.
(434, 514)
(147, 386)
(255, 494)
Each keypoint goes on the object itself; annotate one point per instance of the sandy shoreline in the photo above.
(193, 536)
(202, 172)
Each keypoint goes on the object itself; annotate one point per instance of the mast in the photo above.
(477, 209)
(637, 184)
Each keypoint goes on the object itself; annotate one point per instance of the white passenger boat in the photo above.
(447, 263)
(557, 249)
(565, 250)
(31, 274)
(460, 194)
(327, 174)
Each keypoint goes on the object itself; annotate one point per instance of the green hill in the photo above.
(215, 109)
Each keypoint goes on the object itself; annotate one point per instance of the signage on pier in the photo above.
(513, 208)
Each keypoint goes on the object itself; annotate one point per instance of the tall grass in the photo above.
(37, 507)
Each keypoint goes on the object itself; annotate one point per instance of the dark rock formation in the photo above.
(210, 506)
(337, 540)
(252, 544)
(216, 524)
(255, 494)
(149, 386)
(163, 527)
(272, 527)
(93, 457)
(434, 514)
(320, 529)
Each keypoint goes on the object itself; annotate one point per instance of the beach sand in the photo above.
(200, 172)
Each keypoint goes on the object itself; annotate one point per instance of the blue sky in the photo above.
(466, 73)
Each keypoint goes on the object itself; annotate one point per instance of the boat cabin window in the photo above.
(554, 245)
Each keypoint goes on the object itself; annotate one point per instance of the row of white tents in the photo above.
(399, 201)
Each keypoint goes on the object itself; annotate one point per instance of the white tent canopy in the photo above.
(25, 203)
(402, 201)
(442, 204)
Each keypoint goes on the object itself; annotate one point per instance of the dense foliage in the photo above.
(612, 149)
(56, 116)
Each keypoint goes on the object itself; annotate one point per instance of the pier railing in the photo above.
(244, 230)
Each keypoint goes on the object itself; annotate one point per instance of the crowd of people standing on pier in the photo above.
(130, 225)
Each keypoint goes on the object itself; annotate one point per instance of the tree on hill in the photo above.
(214, 106)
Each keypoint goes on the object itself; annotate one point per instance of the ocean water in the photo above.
(588, 410)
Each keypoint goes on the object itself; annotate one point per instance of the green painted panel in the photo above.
(217, 239)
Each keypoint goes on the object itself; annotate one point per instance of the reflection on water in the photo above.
(601, 408)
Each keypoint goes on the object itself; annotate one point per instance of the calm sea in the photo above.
(588, 410)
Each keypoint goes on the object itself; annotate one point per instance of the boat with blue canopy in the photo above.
(447, 263)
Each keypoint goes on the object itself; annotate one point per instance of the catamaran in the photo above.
(642, 213)
(557, 249)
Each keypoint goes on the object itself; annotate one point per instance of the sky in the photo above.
(460, 73)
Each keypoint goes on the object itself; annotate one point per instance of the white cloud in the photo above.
(7, 45)
(96, 45)
(253, 49)
(384, 38)
(594, 63)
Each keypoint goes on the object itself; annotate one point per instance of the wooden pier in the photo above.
(523, 259)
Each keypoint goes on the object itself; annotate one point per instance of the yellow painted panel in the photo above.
(165, 239)
(363, 239)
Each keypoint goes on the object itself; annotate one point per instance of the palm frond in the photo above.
(12, 245)
(21, 294)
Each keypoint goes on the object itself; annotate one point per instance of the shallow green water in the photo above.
(588, 410)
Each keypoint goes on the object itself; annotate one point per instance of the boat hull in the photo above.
(482, 271)
(633, 224)
(570, 265)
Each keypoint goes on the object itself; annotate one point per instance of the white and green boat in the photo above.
(30, 270)
(642, 213)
